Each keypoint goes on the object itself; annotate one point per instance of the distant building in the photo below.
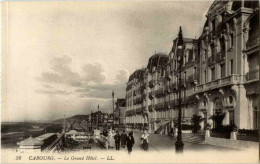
(119, 112)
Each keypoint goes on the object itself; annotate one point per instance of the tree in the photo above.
(196, 120)
(218, 118)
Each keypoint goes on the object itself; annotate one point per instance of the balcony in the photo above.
(159, 106)
(183, 84)
(193, 79)
(143, 108)
(150, 108)
(151, 95)
(130, 113)
(167, 105)
(167, 89)
(220, 56)
(172, 103)
(211, 60)
(252, 76)
(168, 75)
(173, 86)
(138, 110)
(159, 92)
(139, 100)
(151, 83)
(229, 80)
(253, 41)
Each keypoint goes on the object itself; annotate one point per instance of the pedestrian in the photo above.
(145, 141)
(123, 139)
(130, 141)
(117, 140)
(110, 139)
(172, 132)
(105, 133)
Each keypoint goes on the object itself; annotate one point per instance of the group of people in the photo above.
(126, 140)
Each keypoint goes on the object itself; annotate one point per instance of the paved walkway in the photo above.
(161, 143)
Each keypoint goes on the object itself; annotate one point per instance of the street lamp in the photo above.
(179, 144)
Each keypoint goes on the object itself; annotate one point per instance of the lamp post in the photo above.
(179, 144)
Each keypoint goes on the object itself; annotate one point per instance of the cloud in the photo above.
(102, 91)
(53, 92)
(61, 72)
(121, 76)
(88, 84)
(93, 73)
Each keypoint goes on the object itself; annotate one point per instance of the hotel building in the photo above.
(220, 74)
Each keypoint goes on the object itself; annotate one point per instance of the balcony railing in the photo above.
(172, 103)
(167, 89)
(151, 95)
(159, 106)
(173, 86)
(253, 41)
(221, 55)
(150, 108)
(211, 60)
(229, 80)
(143, 108)
(159, 92)
(252, 75)
(138, 110)
(167, 105)
(183, 84)
(168, 75)
(192, 79)
(139, 100)
(151, 83)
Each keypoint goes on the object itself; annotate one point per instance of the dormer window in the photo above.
(231, 37)
(213, 25)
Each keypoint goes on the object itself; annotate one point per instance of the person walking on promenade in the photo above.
(123, 139)
(130, 141)
(145, 141)
(117, 140)
(110, 139)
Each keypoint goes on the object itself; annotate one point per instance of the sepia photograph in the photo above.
(130, 81)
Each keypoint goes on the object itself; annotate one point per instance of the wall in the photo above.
(235, 144)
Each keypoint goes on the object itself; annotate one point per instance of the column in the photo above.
(226, 119)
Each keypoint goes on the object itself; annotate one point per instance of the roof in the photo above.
(138, 74)
(158, 59)
(72, 132)
(45, 136)
(30, 142)
(121, 102)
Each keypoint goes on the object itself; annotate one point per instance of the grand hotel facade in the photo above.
(220, 74)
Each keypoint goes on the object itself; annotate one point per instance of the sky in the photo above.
(67, 57)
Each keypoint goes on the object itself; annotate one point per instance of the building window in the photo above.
(231, 40)
(212, 73)
(213, 25)
(205, 55)
(205, 76)
(255, 118)
(184, 77)
(222, 70)
(231, 67)
(194, 70)
(231, 117)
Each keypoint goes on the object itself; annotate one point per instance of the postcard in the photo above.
(130, 81)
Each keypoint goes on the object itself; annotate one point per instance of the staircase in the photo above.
(193, 138)
(161, 128)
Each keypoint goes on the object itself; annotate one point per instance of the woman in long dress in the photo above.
(145, 141)
(111, 139)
